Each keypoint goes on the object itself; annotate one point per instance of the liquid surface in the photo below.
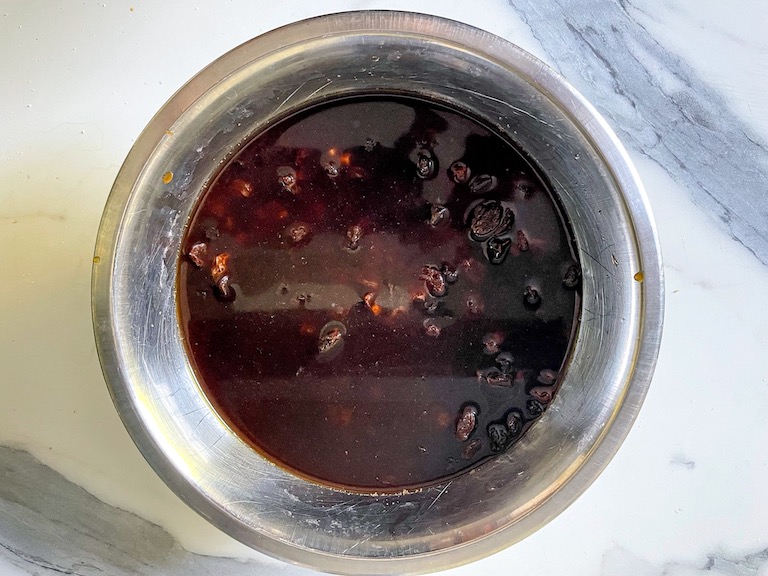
(378, 294)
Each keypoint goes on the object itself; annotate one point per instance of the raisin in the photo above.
(198, 254)
(466, 423)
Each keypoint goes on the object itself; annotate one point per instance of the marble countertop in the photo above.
(683, 85)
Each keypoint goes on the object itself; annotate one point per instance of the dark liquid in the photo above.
(378, 294)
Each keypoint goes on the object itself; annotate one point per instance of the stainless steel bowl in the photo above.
(271, 77)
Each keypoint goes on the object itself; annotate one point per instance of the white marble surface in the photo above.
(683, 84)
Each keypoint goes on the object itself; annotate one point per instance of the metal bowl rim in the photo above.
(549, 82)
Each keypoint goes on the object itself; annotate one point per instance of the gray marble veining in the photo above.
(49, 525)
(660, 107)
(620, 561)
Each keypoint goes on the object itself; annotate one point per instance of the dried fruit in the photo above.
(494, 377)
(354, 234)
(433, 280)
(572, 278)
(331, 340)
(286, 178)
(198, 254)
(542, 394)
(426, 166)
(547, 377)
(474, 304)
(497, 250)
(438, 215)
(499, 436)
(482, 183)
(505, 361)
(431, 328)
(514, 423)
(224, 290)
(492, 342)
(331, 168)
(450, 273)
(431, 306)
(484, 219)
(459, 172)
(531, 298)
(534, 407)
(522, 242)
(471, 449)
(298, 232)
(242, 187)
(220, 266)
(466, 423)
